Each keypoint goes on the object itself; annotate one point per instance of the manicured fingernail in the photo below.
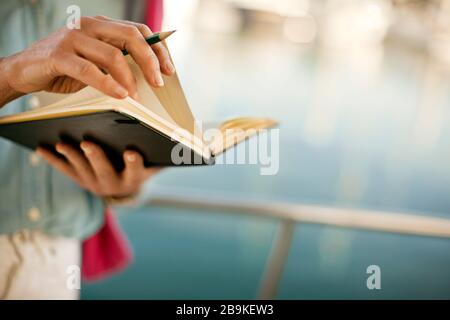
(121, 91)
(158, 79)
(86, 148)
(131, 157)
(170, 67)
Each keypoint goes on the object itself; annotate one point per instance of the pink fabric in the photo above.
(108, 251)
(154, 14)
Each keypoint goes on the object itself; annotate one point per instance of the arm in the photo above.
(7, 93)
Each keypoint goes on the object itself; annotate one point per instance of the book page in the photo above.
(56, 100)
(173, 100)
(49, 98)
(234, 131)
(86, 97)
(146, 95)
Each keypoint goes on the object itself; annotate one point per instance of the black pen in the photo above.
(154, 38)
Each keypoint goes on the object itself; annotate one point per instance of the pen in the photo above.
(154, 38)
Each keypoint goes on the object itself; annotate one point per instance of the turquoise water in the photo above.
(187, 255)
(367, 130)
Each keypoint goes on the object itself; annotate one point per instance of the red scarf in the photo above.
(108, 251)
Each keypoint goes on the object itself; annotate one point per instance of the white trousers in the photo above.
(34, 265)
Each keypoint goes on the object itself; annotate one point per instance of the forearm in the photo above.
(7, 93)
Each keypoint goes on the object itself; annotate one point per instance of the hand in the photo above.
(68, 60)
(91, 169)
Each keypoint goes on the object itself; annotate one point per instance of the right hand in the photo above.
(68, 60)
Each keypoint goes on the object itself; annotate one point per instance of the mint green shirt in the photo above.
(32, 194)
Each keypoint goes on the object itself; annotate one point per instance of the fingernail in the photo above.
(121, 91)
(170, 67)
(85, 148)
(59, 148)
(131, 157)
(159, 80)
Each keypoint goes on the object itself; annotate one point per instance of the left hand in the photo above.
(91, 169)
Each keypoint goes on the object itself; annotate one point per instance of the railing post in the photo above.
(276, 261)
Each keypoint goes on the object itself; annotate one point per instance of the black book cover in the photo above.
(115, 132)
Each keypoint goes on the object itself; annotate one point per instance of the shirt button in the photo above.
(34, 102)
(34, 159)
(34, 214)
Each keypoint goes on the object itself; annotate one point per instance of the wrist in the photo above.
(7, 92)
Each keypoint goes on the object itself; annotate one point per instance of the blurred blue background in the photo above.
(361, 89)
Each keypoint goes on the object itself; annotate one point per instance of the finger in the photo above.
(161, 52)
(164, 59)
(108, 57)
(59, 164)
(105, 173)
(88, 73)
(134, 173)
(79, 162)
(128, 37)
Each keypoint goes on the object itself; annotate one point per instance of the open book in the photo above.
(159, 124)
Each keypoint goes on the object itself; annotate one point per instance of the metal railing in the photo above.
(290, 214)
